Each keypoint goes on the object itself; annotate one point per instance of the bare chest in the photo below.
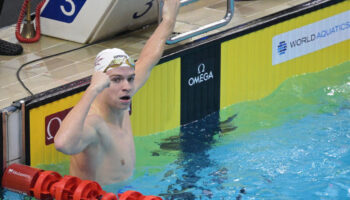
(110, 160)
(118, 144)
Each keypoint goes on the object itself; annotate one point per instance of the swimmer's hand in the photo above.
(99, 81)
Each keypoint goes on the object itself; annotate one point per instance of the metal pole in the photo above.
(23, 110)
(4, 139)
(204, 28)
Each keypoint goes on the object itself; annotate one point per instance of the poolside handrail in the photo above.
(202, 29)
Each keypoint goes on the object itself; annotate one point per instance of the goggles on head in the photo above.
(119, 61)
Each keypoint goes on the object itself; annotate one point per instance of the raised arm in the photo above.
(153, 50)
(77, 130)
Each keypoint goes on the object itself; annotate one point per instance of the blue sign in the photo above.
(63, 10)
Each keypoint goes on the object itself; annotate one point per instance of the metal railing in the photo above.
(202, 29)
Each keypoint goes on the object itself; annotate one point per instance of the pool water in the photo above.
(293, 144)
(303, 159)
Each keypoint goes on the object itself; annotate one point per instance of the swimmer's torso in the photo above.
(111, 159)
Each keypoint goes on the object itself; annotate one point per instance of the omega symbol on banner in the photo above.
(202, 75)
(52, 124)
(200, 83)
(49, 135)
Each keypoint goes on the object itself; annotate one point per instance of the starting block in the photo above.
(86, 21)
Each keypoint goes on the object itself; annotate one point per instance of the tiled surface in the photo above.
(56, 71)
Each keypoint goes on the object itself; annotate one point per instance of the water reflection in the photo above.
(194, 142)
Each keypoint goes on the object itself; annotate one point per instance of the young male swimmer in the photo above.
(97, 131)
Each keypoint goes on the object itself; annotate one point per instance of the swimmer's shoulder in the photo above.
(95, 120)
(98, 128)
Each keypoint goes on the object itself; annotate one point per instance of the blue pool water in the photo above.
(293, 144)
(304, 159)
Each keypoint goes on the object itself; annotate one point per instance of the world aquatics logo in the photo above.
(282, 48)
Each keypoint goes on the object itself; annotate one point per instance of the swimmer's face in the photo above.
(121, 88)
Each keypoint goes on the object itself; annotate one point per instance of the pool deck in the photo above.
(59, 70)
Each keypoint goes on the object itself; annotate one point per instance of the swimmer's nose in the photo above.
(127, 86)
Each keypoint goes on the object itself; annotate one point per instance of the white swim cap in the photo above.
(109, 58)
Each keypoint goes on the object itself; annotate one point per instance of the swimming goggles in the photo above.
(120, 60)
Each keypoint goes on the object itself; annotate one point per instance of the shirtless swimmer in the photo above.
(97, 131)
